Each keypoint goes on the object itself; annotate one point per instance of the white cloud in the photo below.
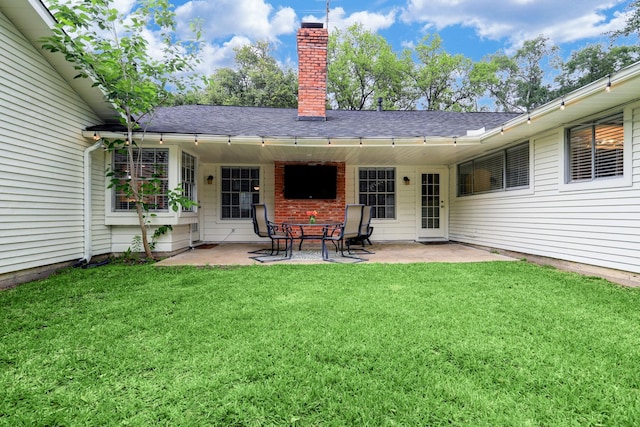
(373, 22)
(254, 19)
(123, 6)
(517, 20)
(227, 24)
(217, 56)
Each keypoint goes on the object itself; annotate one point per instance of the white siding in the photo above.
(41, 160)
(598, 226)
(175, 240)
(403, 226)
(215, 229)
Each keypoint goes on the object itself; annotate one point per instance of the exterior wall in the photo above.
(214, 229)
(597, 223)
(296, 210)
(403, 226)
(41, 161)
(178, 239)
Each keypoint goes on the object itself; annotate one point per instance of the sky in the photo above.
(474, 28)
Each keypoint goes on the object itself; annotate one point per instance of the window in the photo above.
(240, 189)
(504, 170)
(517, 164)
(188, 172)
(377, 188)
(152, 163)
(596, 151)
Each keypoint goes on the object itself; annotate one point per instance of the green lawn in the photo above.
(489, 344)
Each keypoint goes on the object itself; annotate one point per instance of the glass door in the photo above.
(432, 218)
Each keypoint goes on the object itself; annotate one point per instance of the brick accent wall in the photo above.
(312, 73)
(296, 210)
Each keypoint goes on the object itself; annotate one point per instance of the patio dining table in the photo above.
(310, 231)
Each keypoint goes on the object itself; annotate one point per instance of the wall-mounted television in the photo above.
(310, 181)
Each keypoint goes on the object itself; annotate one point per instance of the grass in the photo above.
(488, 344)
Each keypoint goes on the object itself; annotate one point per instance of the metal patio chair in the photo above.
(365, 229)
(341, 234)
(277, 233)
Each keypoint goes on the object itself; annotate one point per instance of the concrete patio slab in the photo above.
(399, 252)
(226, 254)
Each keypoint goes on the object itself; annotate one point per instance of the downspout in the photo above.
(87, 201)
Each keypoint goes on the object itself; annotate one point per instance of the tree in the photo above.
(442, 80)
(519, 82)
(592, 63)
(363, 67)
(633, 22)
(258, 81)
(113, 51)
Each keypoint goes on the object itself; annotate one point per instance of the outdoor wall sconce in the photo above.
(406, 180)
(210, 179)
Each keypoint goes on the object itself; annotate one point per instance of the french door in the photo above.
(433, 190)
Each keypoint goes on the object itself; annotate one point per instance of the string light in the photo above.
(229, 140)
(393, 143)
(608, 88)
(263, 142)
(562, 106)
(529, 119)
(360, 142)
(161, 141)
(329, 139)
(96, 137)
(195, 139)
(295, 141)
(424, 141)
(502, 130)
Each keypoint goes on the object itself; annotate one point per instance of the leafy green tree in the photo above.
(443, 80)
(519, 82)
(258, 81)
(226, 88)
(115, 53)
(592, 63)
(363, 67)
(494, 72)
(633, 22)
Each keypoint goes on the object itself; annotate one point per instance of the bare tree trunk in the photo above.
(138, 199)
(143, 232)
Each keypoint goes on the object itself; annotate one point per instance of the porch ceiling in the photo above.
(379, 152)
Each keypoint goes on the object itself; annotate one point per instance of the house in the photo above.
(44, 223)
(562, 181)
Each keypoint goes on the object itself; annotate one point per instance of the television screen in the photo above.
(310, 181)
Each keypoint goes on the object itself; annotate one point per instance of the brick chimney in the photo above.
(312, 71)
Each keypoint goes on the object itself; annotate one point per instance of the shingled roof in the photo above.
(281, 122)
